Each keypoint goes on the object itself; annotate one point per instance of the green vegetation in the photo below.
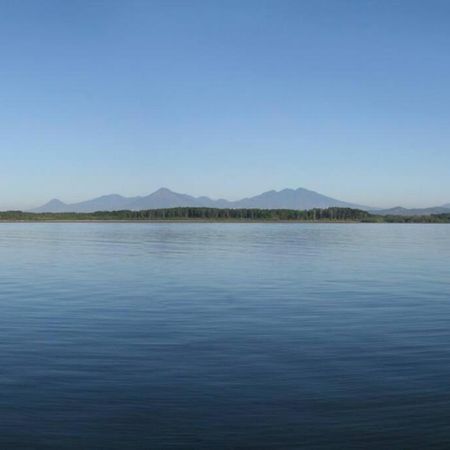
(222, 215)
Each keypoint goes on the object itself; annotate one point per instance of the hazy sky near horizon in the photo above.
(350, 98)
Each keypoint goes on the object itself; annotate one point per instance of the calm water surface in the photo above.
(142, 336)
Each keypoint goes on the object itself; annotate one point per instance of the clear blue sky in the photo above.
(225, 98)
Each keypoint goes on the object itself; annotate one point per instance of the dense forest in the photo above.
(215, 214)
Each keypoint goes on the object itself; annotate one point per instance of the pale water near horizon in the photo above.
(146, 336)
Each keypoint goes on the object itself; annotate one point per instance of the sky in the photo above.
(350, 98)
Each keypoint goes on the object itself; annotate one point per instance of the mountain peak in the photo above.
(111, 196)
(56, 201)
(54, 205)
(163, 190)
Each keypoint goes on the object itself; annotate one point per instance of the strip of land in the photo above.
(338, 215)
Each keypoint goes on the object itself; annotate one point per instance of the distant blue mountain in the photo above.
(399, 211)
(53, 205)
(165, 198)
(292, 199)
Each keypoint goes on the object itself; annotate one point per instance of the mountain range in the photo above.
(165, 198)
(300, 199)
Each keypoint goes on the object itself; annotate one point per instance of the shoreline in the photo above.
(190, 221)
(179, 221)
(224, 215)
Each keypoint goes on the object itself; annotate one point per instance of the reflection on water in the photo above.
(128, 336)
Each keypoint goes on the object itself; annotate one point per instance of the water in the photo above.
(139, 336)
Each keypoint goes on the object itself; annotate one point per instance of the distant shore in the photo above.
(218, 215)
(182, 221)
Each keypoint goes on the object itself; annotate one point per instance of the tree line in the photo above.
(228, 214)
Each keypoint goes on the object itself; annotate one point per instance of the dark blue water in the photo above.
(142, 336)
